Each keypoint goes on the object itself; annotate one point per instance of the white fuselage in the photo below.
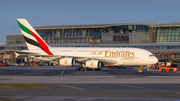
(122, 56)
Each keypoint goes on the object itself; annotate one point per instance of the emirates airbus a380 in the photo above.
(89, 57)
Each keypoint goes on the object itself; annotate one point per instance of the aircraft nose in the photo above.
(155, 60)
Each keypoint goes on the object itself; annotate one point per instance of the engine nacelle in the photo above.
(93, 64)
(66, 61)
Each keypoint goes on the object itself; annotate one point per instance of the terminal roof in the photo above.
(85, 26)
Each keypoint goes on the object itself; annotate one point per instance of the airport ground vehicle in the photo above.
(140, 70)
(15, 64)
(164, 68)
(3, 64)
(154, 66)
(22, 64)
(168, 69)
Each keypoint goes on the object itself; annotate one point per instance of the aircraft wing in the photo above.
(52, 57)
(79, 59)
(105, 61)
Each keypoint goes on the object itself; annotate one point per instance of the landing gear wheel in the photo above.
(98, 69)
(88, 69)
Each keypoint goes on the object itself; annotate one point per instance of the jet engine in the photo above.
(66, 61)
(93, 64)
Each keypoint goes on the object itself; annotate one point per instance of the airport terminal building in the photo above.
(161, 39)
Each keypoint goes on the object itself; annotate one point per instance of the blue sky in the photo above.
(79, 12)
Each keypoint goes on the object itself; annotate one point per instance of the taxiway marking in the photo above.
(177, 92)
(62, 73)
(73, 87)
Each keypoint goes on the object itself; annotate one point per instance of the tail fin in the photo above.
(32, 38)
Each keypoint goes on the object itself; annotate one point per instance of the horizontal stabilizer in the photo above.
(20, 52)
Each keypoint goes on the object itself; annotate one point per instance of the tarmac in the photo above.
(108, 84)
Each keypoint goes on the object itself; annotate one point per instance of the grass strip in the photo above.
(4, 99)
(23, 86)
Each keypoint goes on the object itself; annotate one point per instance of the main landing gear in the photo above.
(88, 69)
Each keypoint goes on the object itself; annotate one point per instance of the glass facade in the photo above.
(139, 36)
(120, 38)
(160, 47)
(78, 35)
(168, 34)
(60, 33)
(2, 47)
(16, 48)
(131, 28)
(107, 38)
(15, 40)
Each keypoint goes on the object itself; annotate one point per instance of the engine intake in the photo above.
(66, 61)
(93, 64)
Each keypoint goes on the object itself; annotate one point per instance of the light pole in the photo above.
(154, 42)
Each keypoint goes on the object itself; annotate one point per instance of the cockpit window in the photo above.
(151, 55)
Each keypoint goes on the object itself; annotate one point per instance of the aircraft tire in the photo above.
(98, 69)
